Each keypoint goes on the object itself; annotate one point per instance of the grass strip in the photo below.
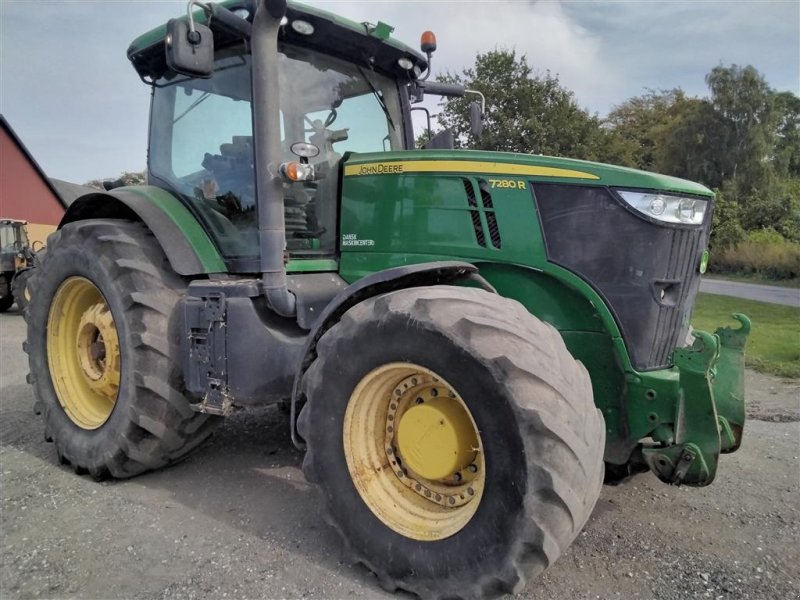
(774, 343)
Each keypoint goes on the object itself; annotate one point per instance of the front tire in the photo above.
(104, 351)
(537, 442)
(7, 300)
(19, 289)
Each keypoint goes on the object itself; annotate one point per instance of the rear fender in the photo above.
(184, 241)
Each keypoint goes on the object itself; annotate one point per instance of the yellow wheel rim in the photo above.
(83, 352)
(414, 451)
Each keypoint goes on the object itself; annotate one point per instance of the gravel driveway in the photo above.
(237, 519)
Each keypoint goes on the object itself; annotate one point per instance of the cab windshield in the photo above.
(201, 144)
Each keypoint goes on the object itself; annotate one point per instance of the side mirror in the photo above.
(189, 52)
(448, 90)
(475, 119)
(112, 184)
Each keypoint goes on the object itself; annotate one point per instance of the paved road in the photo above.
(752, 291)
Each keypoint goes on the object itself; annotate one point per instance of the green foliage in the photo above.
(525, 112)
(777, 207)
(639, 125)
(127, 178)
(743, 105)
(765, 236)
(764, 253)
(726, 228)
(786, 153)
(689, 148)
(743, 140)
(774, 343)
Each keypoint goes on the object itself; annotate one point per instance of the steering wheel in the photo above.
(315, 125)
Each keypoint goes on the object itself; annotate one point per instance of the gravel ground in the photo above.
(237, 519)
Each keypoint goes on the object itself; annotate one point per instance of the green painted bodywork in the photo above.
(185, 221)
(394, 218)
(311, 265)
(610, 175)
(708, 412)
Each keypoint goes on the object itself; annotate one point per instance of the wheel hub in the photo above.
(434, 441)
(97, 348)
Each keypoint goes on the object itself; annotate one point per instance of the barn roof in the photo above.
(6, 126)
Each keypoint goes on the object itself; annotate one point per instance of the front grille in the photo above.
(646, 272)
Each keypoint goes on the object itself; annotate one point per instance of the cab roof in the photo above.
(333, 35)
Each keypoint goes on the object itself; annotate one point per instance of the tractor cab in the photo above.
(201, 144)
(342, 87)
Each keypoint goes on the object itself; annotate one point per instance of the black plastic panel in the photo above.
(647, 273)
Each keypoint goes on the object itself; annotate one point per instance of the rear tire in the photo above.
(540, 434)
(147, 423)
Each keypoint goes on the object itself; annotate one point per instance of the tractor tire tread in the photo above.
(160, 427)
(564, 441)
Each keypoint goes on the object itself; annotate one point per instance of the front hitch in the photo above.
(729, 383)
(710, 413)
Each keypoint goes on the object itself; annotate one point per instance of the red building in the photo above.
(25, 191)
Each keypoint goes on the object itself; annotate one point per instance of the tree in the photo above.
(690, 144)
(639, 126)
(525, 112)
(786, 156)
(744, 105)
(127, 178)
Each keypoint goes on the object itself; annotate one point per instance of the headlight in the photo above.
(666, 207)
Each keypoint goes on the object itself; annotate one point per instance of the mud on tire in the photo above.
(542, 437)
(151, 424)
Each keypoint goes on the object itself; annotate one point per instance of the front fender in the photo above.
(382, 282)
(186, 244)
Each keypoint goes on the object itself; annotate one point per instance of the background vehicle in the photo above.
(16, 259)
(292, 244)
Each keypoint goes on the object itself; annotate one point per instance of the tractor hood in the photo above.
(636, 239)
(503, 164)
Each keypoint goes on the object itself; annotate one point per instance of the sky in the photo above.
(68, 90)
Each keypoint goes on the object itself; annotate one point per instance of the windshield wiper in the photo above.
(192, 106)
(378, 97)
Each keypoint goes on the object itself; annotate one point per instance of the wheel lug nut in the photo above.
(473, 468)
(457, 476)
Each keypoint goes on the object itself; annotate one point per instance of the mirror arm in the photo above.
(427, 115)
(206, 8)
(483, 99)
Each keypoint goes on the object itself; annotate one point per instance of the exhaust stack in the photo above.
(268, 151)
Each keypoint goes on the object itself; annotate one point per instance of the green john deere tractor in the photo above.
(467, 340)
